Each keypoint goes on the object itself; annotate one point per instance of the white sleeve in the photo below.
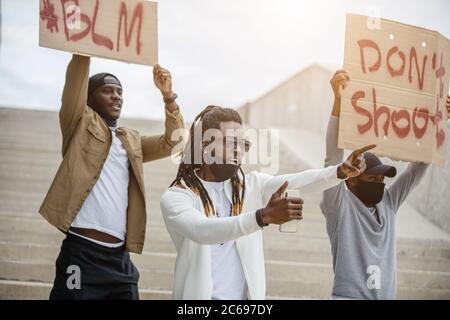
(308, 181)
(181, 216)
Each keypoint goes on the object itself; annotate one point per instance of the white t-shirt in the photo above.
(226, 268)
(105, 209)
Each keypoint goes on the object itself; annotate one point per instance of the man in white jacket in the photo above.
(215, 213)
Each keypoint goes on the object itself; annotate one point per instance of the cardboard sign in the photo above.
(123, 30)
(396, 97)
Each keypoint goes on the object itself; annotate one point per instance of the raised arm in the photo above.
(405, 183)
(74, 97)
(409, 178)
(332, 197)
(334, 155)
(161, 146)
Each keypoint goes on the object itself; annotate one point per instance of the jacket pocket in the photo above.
(96, 132)
(94, 140)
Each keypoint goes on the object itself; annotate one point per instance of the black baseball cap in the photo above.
(101, 79)
(375, 166)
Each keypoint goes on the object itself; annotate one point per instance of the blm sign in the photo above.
(124, 30)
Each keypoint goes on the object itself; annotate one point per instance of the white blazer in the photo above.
(192, 232)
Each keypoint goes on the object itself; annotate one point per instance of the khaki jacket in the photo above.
(86, 139)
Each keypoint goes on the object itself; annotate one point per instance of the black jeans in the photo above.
(86, 270)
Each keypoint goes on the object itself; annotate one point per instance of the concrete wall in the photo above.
(432, 197)
(303, 101)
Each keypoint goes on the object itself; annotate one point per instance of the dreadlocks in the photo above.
(210, 118)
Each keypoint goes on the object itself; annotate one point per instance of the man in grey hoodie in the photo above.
(360, 217)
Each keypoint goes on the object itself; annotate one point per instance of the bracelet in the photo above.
(259, 219)
(171, 99)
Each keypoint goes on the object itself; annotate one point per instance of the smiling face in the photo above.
(107, 101)
(217, 143)
(230, 146)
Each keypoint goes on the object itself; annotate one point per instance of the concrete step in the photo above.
(41, 291)
(32, 290)
(27, 158)
(319, 291)
(165, 260)
(282, 279)
(297, 265)
(38, 231)
(47, 252)
(31, 147)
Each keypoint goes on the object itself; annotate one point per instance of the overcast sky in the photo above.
(222, 52)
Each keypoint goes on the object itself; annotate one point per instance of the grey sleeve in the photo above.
(405, 183)
(334, 155)
(333, 206)
(332, 198)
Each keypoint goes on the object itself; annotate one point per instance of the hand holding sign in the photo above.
(114, 29)
(355, 163)
(339, 82)
(163, 80)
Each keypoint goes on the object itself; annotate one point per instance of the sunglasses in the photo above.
(231, 143)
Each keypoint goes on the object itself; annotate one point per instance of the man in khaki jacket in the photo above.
(97, 197)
